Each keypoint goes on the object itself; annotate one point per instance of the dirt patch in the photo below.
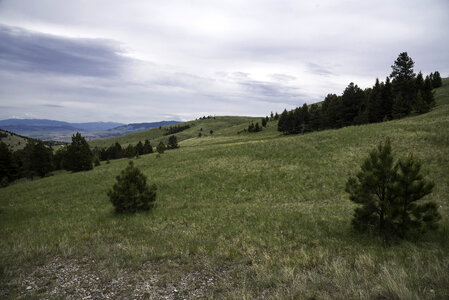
(80, 279)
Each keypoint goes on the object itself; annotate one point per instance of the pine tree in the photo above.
(404, 80)
(160, 147)
(314, 117)
(264, 122)
(172, 142)
(372, 189)
(387, 99)
(147, 148)
(427, 92)
(409, 187)
(388, 193)
(130, 151)
(38, 159)
(139, 148)
(131, 192)
(282, 124)
(420, 105)
(352, 99)
(436, 80)
(419, 82)
(79, 156)
(400, 107)
(375, 104)
(8, 167)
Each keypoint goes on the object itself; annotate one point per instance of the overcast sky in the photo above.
(139, 61)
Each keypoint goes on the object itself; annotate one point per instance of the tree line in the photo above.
(176, 129)
(395, 98)
(38, 159)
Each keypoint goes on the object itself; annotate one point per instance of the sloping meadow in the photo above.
(238, 216)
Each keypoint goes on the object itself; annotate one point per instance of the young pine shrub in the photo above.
(389, 195)
(131, 193)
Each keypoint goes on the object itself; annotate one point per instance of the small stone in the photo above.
(29, 287)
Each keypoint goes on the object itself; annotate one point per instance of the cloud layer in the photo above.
(152, 60)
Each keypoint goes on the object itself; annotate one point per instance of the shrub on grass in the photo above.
(160, 148)
(172, 142)
(131, 192)
(388, 193)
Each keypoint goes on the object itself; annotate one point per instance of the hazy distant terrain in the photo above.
(62, 131)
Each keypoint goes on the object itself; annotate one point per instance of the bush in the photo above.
(172, 142)
(160, 148)
(388, 193)
(131, 192)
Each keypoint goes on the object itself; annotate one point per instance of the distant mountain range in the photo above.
(44, 129)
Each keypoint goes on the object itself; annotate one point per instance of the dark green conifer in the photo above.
(172, 142)
(131, 192)
(79, 156)
(160, 147)
(388, 192)
(8, 167)
(409, 187)
(147, 148)
(372, 189)
(436, 80)
(139, 148)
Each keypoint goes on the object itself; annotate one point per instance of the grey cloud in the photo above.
(319, 70)
(274, 92)
(23, 50)
(283, 77)
(53, 105)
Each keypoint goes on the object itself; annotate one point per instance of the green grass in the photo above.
(223, 125)
(265, 215)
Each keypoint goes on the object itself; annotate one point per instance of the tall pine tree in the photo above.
(79, 157)
(404, 80)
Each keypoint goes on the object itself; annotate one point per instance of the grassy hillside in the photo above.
(219, 125)
(14, 141)
(239, 216)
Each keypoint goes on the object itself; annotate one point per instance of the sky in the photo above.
(144, 61)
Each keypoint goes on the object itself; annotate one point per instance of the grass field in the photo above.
(238, 216)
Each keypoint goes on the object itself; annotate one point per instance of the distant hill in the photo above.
(46, 130)
(13, 141)
(45, 125)
(222, 125)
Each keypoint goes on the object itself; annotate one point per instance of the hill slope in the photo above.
(239, 216)
(219, 125)
(13, 141)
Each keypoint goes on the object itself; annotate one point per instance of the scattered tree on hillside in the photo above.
(176, 129)
(130, 151)
(139, 148)
(384, 101)
(160, 147)
(147, 148)
(131, 192)
(172, 142)
(387, 192)
(8, 167)
(436, 79)
(37, 159)
(79, 156)
(403, 80)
